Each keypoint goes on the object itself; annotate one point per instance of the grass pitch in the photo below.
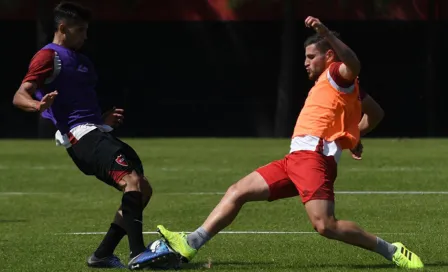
(398, 191)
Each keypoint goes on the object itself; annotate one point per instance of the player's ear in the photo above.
(330, 56)
(62, 28)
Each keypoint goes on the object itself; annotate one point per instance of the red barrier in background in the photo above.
(240, 10)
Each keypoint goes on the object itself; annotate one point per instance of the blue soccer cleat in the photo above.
(158, 255)
(107, 262)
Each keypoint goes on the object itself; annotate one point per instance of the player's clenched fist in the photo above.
(316, 24)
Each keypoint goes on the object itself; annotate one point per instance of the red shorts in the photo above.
(306, 173)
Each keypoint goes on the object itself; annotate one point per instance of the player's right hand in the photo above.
(47, 101)
(317, 25)
(357, 151)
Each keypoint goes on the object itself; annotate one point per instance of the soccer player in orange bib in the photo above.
(328, 123)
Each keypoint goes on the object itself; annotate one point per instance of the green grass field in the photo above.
(44, 198)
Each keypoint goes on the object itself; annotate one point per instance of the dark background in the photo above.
(186, 76)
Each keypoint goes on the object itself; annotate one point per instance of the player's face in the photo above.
(315, 62)
(76, 34)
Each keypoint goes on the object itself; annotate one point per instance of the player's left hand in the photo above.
(113, 117)
(357, 151)
(317, 25)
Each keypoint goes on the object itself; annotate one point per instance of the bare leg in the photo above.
(253, 187)
(321, 214)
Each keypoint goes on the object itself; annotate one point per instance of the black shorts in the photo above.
(105, 156)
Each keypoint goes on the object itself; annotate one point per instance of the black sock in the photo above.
(110, 241)
(132, 208)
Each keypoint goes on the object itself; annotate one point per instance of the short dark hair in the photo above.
(321, 43)
(71, 11)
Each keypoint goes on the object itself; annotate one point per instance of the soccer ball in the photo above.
(156, 244)
(168, 259)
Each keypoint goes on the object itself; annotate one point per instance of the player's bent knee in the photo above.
(239, 193)
(235, 192)
(131, 181)
(250, 188)
(325, 227)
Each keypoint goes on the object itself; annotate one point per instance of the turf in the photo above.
(43, 197)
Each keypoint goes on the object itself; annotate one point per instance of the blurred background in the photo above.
(234, 68)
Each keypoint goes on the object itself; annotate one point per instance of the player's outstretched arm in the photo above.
(24, 100)
(373, 114)
(351, 66)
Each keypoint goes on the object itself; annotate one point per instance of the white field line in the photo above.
(235, 232)
(350, 169)
(25, 193)
(222, 193)
(209, 169)
(337, 192)
(37, 167)
(387, 169)
(391, 192)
